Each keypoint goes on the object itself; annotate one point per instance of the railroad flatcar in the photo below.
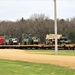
(33, 42)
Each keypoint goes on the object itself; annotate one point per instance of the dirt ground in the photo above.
(13, 54)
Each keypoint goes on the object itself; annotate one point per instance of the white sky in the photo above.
(16, 9)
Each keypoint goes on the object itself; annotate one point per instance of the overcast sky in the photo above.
(16, 9)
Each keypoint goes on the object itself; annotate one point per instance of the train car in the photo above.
(33, 42)
(1, 40)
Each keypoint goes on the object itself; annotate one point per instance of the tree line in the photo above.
(38, 25)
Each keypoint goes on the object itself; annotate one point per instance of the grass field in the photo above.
(8, 67)
(52, 52)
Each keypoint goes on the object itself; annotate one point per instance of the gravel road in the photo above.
(15, 54)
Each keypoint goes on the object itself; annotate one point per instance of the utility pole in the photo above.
(55, 18)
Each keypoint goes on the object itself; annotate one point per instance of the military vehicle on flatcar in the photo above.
(50, 39)
(29, 39)
(8, 40)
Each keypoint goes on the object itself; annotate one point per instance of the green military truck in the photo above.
(29, 39)
(8, 40)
